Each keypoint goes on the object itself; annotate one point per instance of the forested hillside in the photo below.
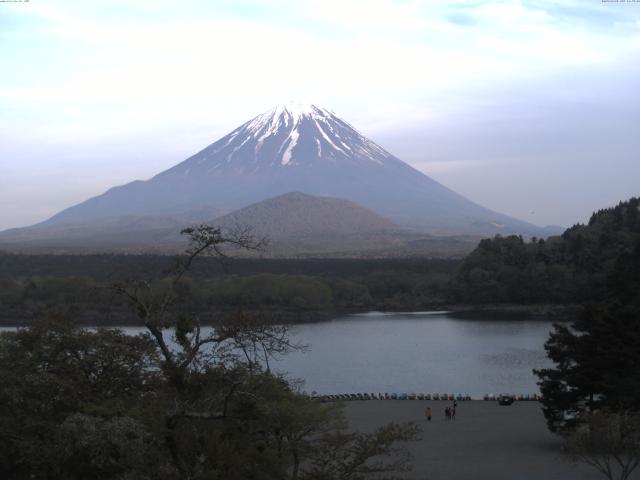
(301, 288)
(572, 268)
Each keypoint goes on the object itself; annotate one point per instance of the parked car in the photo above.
(505, 399)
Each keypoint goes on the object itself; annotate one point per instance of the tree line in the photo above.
(341, 287)
(569, 269)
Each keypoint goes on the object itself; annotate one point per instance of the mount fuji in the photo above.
(291, 148)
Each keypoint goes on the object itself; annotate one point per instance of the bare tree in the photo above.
(608, 442)
(235, 347)
(153, 303)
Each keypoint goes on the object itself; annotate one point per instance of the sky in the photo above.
(530, 108)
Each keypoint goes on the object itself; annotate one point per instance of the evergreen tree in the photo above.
(597, 358)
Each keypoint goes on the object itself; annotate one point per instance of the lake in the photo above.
(417, 352)
(421, 352)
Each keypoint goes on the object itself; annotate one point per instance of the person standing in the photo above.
(427, 413)
(447, 413)
(453, 413)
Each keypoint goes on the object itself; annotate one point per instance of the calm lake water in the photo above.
(419, 351)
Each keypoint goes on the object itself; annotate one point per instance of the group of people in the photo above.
(449, 412)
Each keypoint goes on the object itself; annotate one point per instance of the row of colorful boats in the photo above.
(421, 396)
(522, 397)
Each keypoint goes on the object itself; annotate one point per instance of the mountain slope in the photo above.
(295, 225)
(295, 148)
(295, 215)
(301, 225)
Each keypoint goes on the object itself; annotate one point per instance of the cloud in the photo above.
(327, 50)
(79, 76)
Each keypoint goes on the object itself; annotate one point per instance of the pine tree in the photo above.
(597, 358)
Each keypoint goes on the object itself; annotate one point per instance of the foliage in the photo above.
(268, 291)
(572, 268)
(597, 365)
(597, 358)
(54, 372)
(347, 455)
(277, 286)
(608, 442)
(178, 402)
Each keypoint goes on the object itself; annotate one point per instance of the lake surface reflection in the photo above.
(421, 352)
(416, 352)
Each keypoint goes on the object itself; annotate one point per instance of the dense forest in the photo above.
(565, 270)
(591, 394)
(572, 268)
(294, 289)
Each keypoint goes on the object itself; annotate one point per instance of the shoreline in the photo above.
(511, 312)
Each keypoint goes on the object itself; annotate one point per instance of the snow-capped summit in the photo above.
(295, 110)
(290, 135)
(296, 148)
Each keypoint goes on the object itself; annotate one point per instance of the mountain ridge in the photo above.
(294, 148)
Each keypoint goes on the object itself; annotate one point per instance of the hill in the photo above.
(295, 215)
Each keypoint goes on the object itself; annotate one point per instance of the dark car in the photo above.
(505, 400)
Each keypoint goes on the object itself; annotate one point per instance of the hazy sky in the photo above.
(531, 108)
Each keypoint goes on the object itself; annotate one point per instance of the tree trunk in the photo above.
(178, 461)
(296, 465)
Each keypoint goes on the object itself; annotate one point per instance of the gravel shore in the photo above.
(485, 441)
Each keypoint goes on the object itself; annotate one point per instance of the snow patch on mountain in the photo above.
(293, 139)
(289, 135)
